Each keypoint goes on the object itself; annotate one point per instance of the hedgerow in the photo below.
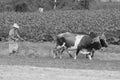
(44, 26)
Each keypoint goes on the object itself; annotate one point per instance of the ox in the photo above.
(80, 42)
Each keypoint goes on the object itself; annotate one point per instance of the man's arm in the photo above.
(19, 36)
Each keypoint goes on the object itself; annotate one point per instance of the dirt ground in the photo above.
(35, 62)
(37, 73)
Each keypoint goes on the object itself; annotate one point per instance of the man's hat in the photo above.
(15, 25)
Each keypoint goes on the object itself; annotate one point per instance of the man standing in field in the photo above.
(13, 39)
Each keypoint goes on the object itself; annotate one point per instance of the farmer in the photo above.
(13, 39)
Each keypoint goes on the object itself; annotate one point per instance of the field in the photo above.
(35, 62)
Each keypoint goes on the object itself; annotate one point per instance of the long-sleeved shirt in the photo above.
(13, 35)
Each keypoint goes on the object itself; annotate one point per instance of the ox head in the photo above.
(99, 42)
(60, 41)
(92, 34)
(103, 40)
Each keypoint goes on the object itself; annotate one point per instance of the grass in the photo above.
(44, 49)
(42, 57)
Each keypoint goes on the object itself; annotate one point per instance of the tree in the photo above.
(21, 7)
(84, 4)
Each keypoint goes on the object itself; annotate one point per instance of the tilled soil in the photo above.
(104, 66)
(66, 63)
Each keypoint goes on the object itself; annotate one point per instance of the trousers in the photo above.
(13, 46)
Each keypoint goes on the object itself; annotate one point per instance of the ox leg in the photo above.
(55, 52)
(60, 55)
(89, 56)
(86, 55)
(92, 53)
(69, 54)
(58, 50)
(76, 54)
(61, 52)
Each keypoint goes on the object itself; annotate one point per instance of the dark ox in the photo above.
(80, 42)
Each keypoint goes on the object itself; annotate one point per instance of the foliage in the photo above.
(99, 4)
(34, 5)
(44, 26)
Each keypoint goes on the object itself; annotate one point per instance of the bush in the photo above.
(96, 4)
(38, 26)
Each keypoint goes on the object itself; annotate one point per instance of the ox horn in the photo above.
(97, 39)
(103, 35)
